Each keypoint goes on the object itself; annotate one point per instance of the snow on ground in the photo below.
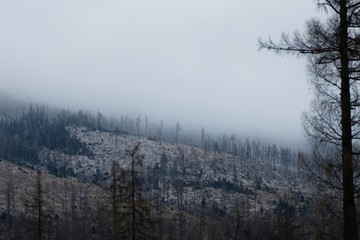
(206, 179)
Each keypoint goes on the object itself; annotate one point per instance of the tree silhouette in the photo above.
(115, 199)
(332, 48)
(36, 212)
(136, 209)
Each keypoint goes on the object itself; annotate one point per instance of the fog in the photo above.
(196, 62)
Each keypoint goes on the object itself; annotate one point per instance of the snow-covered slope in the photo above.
(185, 175)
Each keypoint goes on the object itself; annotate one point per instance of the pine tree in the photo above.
(36, 214)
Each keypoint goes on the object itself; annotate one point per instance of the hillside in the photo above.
(64, 164)
(21, 181)
(216, 177)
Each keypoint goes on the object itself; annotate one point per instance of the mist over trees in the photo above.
(143, 200)
(26, 128)
(67, 174)
(75, 174)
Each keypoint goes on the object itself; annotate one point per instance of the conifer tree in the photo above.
(332, 47)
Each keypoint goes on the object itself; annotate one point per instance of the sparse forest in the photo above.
(67, 174)
(106, 178)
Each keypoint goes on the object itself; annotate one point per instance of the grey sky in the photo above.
(195, 61)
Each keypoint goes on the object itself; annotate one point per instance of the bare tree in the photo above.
(177, 131)
(99, 118)
(35, 210)
(146, 125)
(115, 199)
(10, 207)
(138, 126)
(137, 211)
(332, 48)
(286, 219)
(161, 130)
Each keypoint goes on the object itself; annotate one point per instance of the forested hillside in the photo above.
(84, 176)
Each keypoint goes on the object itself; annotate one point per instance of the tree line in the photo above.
(27, 128)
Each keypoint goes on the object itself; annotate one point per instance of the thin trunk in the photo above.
(114, 198)
(133, 197)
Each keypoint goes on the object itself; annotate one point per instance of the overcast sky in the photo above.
(193, 61)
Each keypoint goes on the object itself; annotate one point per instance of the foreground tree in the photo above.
(332, 49)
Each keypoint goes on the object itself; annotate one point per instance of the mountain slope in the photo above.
(182, 174)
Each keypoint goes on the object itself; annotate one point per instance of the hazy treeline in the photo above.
(138, 203)
(24, 136)
(26, 128)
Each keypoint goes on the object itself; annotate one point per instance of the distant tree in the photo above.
(138, 126)
(202, 138)
(248, 150)
(285, 158)
(274, 156)
(238, 219)
(99, 118)
(179, 188)
(10, 197)
(9, 193)
(177, 132)
(161, 130)
(286, 216)
(207, 145)
(225, 143)
(146, 126)
(216, 149)
(115, 199)
(37, 214)
(256, 150)
(232, 143)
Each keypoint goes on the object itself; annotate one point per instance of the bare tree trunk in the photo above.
(350, 222)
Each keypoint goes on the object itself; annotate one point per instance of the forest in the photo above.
(74, 174)
(209, 188)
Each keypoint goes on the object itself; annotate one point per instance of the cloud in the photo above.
(194, 61)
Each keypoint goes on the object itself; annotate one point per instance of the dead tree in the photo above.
(115, 199)
(36, 215)
(136, 209)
